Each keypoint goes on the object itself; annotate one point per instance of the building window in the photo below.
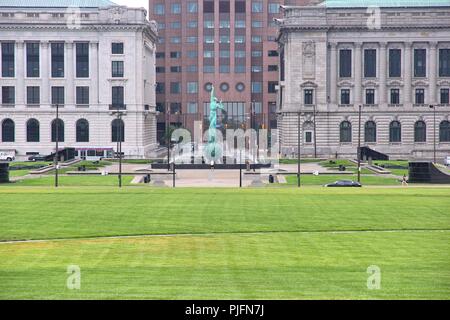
(256, 39)
(117, 69)
(256, 87)
(420, 96)
(160, 55)
(82, 60)
(58, 95)
(346, 132)
(117, 48)
(57, 60)
(239, 24)
(8, 95)
(208, 6)
(308, 137)
(175, 87)
(192, 7)
(192, 87)
(239, 68)
(257, 69)
(395, 96)
(191, 40)
(176, 8)
(118, 97)
(240, 87)
(420, 131)
(82, 96)
(345, 63)
(175, 108)
(175, 25)
(209, 39)
(444, 131)
(192, 24)
(370, 132)
(272, 68)
(175, 40)
(33, 131)
(33, 60)
(58, 126)
(159, 9)
(274, 8)
(192, 68)
(395, 63)
(160, 88)
(8, 131)
(444, 62)
(420, 63)
(257, 7)
(370, 96)
(444, 96)
(118, 130)
(257, 24)
(240, 6)
(395, 132)
(175, 54)
(345, 96)
(370, 63)
(175, 69)
(224, 39)
(224, 87)
(272, 53)
(7, 60)
(224, 24)
(224, 68)
(239, 39)
(192, 107)
(82, 130)
(160, 69)
(309, 96)
(33, 95)
(272, 88)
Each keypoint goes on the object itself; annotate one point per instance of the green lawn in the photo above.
(73, 181)
(18, 173)
(368, 180)
(272, 243)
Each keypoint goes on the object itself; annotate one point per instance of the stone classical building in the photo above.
(394, 62)
(91, 61)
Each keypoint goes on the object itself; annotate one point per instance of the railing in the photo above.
(117, 107)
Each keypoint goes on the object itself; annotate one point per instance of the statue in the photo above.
(214, 150)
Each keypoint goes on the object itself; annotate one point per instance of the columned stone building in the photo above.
(394, 62)
(91, 61)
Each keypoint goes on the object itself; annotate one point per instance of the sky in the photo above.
(133, 3)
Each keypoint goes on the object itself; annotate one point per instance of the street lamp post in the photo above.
(434, 132)
(315, 131)
(298, 150)
(56, 159)
(167, 135)
(359, 143)
(120, 127)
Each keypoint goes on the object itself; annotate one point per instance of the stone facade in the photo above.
(98, 28)
(311, 40)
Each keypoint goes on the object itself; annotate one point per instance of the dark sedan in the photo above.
(37, 157)
(344, 184)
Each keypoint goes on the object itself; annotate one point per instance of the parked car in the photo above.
(447, 161)
(37, 157)
(7, 155)
(344, 184)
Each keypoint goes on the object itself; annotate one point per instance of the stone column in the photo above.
(383, 73)
(70, 73)
(408, 73)
(45, 57)
(433, 72)
(20, 60)
(358, 73)
(93, 66)
(333, 73)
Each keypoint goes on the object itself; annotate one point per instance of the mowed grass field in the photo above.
(144, 243)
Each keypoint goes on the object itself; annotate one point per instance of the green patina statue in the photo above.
(214, 149)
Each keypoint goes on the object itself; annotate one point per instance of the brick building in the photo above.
(226, 44)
